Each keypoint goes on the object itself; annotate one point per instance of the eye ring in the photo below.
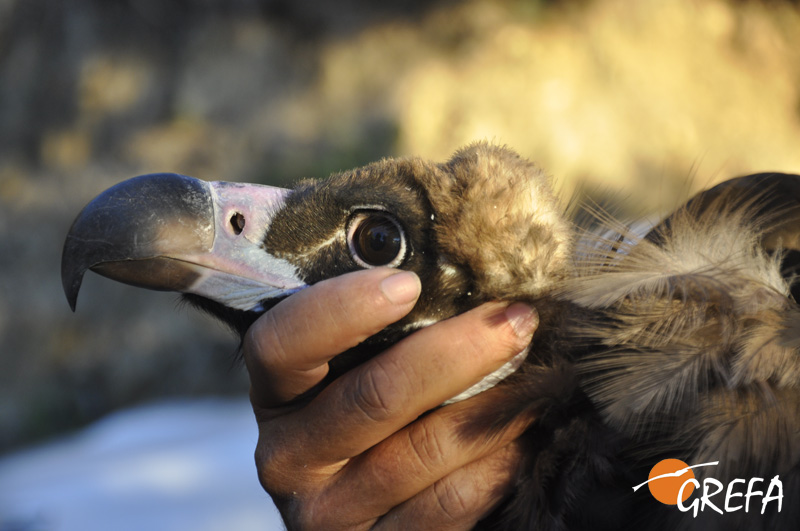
(375, 238)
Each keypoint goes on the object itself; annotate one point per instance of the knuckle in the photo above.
(452, 502)
(272, 464)
(293, 488)
(374, 393)
(427, 447)
(295, 496)
(264, 342)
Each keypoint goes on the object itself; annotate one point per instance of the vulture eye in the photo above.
(376, 239)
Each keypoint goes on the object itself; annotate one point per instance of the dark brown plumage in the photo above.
(681, 344)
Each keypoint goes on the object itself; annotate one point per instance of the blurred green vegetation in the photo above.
(647, 100)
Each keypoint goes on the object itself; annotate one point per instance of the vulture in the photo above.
(679, 343)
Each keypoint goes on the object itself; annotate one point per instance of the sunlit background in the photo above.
(645, 100)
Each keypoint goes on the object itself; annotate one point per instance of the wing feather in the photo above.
(698, 327)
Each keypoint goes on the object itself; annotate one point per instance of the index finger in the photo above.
(286, 351)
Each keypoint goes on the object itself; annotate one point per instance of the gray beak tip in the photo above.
(72, 285)
(123, 223)
(72, 270)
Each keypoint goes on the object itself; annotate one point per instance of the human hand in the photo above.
(357, 456)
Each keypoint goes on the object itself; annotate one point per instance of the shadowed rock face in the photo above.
(684, 342)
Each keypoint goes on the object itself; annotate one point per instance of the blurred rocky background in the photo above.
(649, 100)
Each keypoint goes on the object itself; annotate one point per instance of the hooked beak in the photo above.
(171, 232)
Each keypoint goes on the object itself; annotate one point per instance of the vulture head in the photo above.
(484, 225)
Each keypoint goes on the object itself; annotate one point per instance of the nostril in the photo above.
(237, 222)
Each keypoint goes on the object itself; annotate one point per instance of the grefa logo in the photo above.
(672, 482)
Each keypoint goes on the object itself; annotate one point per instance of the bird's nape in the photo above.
(684, 343)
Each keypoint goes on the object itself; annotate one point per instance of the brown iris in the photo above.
(377, 240)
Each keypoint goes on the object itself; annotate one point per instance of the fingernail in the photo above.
(401, 288)
(523, 319)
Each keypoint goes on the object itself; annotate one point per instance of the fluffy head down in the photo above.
(497, 212)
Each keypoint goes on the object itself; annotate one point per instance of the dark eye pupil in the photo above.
(378, 240)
